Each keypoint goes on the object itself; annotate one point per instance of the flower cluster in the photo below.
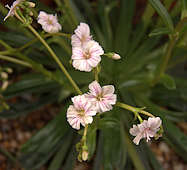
(48, 22)
(148, 128)
(86, 53)
(16, 4)
(97, 100)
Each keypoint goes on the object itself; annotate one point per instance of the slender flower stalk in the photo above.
(96, 73)
(135, 110)
(17, 61)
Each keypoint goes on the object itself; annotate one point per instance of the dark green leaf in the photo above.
(44, 143)
(61, 154)
(159, 31)
(161, 10)
(91, 141)
(25, 107)
(168, 81)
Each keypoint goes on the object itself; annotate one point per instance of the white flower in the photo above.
(87, 57)
(49, 22)
(81, 112)
(148, 128)
(12, 8)
(81, 36)
(102, 97)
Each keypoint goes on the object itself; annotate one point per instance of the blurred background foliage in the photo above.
(135, 30)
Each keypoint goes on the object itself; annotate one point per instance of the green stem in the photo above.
(127, 107)
(7, 58)
(146, 113)
(96, 73)
(161, 68)
(5, 44)
(135, 110)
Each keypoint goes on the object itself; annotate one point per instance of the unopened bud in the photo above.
(31, 4)
(113, 56)
(4, 75)
(31, 13)
(5, 85)
(84, 155)
(116, 56)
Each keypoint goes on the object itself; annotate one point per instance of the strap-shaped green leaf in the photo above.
(159, 31)
(161, 10)
(184, 8)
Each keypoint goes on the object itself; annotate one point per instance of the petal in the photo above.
(134, 130)
(71, 112)
(82, 29)
(77, 53)
(96, 49)
(109, 89)
(137, 139)
(75, 41)
(94, 60)
(88, 120)
(111, 98)
(75, 123)
(95, 88)
(154, 123)
(104, 107)
(82, 65)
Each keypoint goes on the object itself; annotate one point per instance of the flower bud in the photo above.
(116, 56)
(31, 13)
(113, 55)
(85, 155)
(5, 85)
(31, 4)
(4, 75)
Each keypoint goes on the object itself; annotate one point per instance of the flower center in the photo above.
(83, 38)
(81, 113)
(99, 97)
(87, 55)
(50, 22)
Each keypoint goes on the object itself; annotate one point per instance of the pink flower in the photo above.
(12, 8)
(49, 22)
(148, 128)
(102, 97)
(81, 36)
(87, 57)
(81, 112)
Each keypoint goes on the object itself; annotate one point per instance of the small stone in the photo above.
(160, 159)
(164, 147)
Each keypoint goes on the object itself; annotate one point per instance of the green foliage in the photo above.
(141, 46)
